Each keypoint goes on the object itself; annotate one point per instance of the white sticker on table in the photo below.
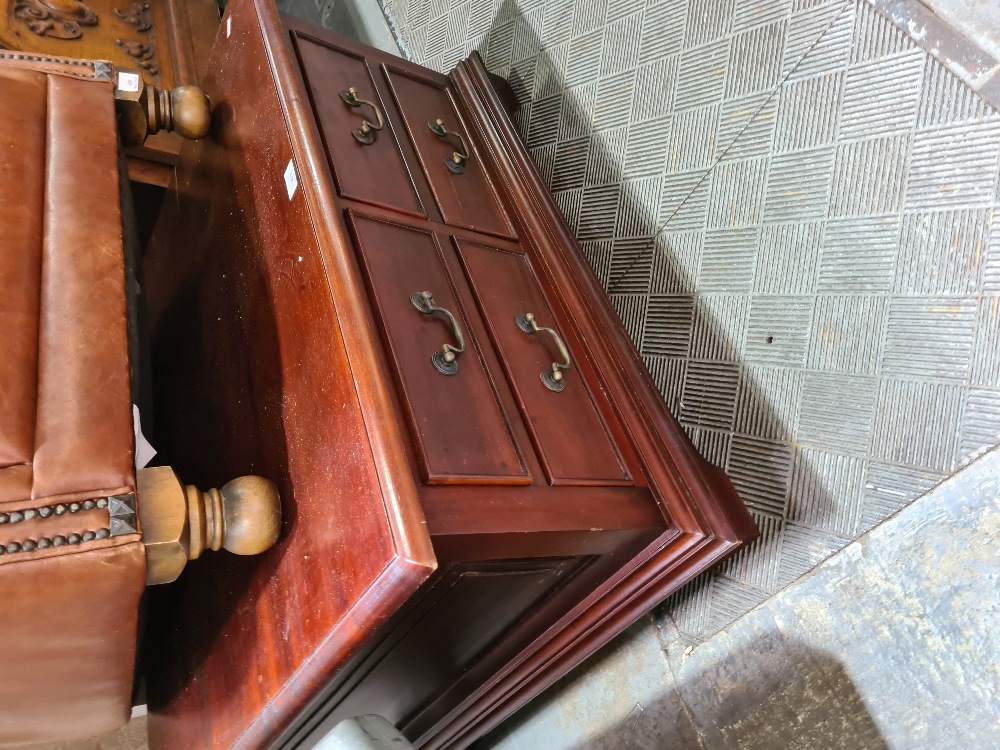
(291, 179)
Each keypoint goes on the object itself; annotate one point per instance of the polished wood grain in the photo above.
(461, 433)
(243, 380)
(468, 199)
(353, 164)
(288, 346)
(568, 434)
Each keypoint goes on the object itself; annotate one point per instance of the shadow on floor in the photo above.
(768, 692)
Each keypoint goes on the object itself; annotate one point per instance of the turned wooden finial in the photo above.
(190, 114)
(179, 521)
(144, 110)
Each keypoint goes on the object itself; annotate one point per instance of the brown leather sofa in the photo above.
(73, 563)
(72, 566)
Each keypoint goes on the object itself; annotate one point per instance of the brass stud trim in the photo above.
(30, 545)
(45, 511)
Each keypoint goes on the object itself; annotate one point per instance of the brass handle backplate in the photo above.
(553, 379)
(365, 134)
(445, 360)
(455, 162)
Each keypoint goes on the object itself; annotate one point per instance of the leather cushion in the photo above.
(65, 403)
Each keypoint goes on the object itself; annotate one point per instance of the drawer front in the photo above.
(570, 437)
(374, 172)
(461, 434)
(467, 199)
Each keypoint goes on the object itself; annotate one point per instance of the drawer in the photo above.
(460, 432)
(466, 199)
(569, 435)
(372, 172)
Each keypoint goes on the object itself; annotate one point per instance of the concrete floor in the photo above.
(891, 643)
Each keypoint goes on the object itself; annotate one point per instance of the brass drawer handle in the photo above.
(553, 379)
(445, 361)
(364, 134)
(455, 162)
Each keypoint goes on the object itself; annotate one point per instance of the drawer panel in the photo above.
(374, 173)
(461, 434)
(466, 200)
(570, 437)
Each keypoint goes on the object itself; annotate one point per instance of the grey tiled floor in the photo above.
(794, 210)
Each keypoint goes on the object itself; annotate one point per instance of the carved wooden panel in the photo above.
(166, 40)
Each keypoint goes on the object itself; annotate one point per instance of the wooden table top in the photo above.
(257, 329)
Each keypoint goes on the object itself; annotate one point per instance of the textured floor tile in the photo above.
(802, 548)
(654, 89)
(918, 424)
(613, 102)
(944, 99)
(819, 39)
(769, 400)
(746, 126)
(692, 145)
(736, 199)
(730, 599)
(575, 111)
(707, 20)
(761, 471)
(890, 487)
(788, 258)
(869, 176)
(668, 374)
(621, 44)
(719, 326)
(676, 260)
(838, 412)
(727, 260)
(607, 156)
(847, 333)
(684, 201)
(648, 144)
(808, 112)
(637, 209)
(827, 490)
(709, 397)
(929, 337)
(750, 13)
(798, 185)
(859, 255)
(755, 59)
(632, 309)
(701, 76)
(778, 330)
(940, 251)
(662, 29)
(757, 564)
(792, 170)
(875, 36)
(712, 443)
(980, 423)
(881, 96)
(668, 325)
(985, 363)
(954, 166)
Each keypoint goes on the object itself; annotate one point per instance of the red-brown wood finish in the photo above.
(467, 199)
(569, 435)
(461, 434)
(286, 344)
(243, 379)
(328, 71)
